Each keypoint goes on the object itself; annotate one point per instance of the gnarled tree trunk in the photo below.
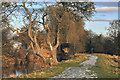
(53, 48)
(36, 48)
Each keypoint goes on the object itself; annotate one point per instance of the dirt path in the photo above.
(80, 72)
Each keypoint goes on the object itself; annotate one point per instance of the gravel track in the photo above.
(80, 72)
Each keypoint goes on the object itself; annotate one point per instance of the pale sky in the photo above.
(106, 12)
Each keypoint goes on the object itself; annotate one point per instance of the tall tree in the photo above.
(59, 16)
(114, 32)
(90, 41)
(33, 14)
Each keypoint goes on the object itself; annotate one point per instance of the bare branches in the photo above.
(34, 15)
(33, 47)
(16, 29)
(27, 9)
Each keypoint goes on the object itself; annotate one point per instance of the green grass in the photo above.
(56, 69)
(106, 66)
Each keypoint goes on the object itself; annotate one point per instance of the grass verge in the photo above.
(57, 69)
(106, 66)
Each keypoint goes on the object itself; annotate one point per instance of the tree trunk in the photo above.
(54, 56)
(52, 48)
(36, 48)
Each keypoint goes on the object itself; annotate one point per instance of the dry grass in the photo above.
(107, 66)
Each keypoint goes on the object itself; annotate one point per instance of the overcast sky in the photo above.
(106, 12)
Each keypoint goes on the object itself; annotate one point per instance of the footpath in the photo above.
(80, 72)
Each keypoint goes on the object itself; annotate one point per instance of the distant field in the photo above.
(107, 66)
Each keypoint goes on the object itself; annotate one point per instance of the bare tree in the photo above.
(30, 16)
(114, 32)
